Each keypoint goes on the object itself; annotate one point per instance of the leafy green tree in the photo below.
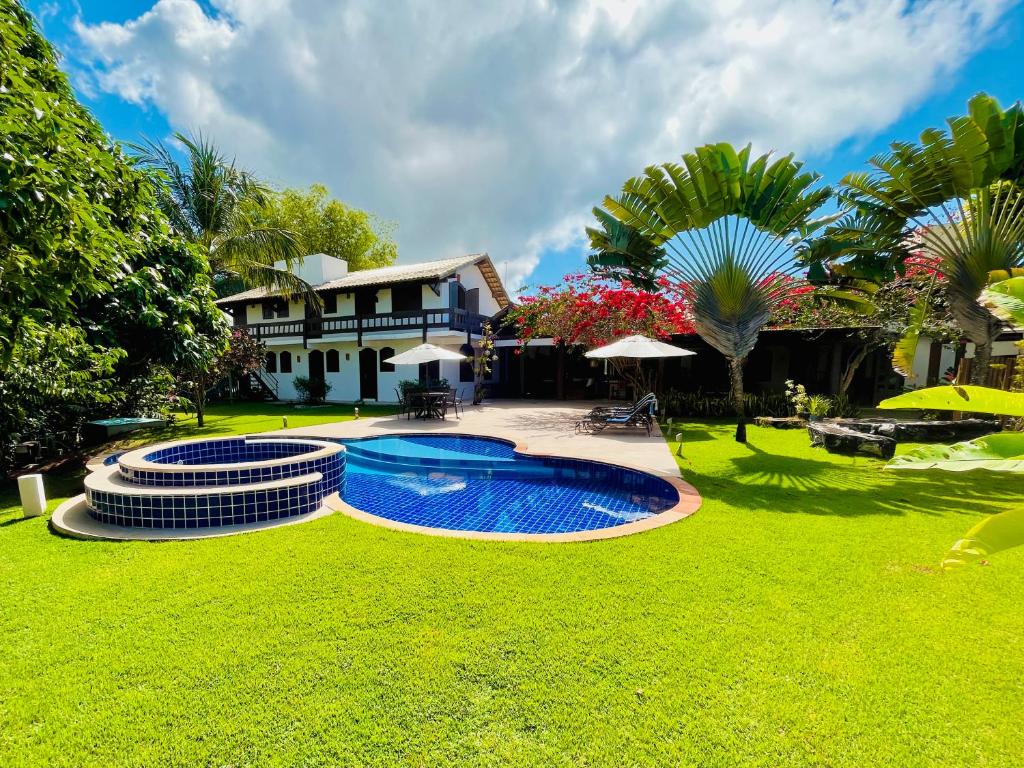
(956, 193)
(73, 212)
(729, 226)
(220, 207)
(324, 225)
(97, 296)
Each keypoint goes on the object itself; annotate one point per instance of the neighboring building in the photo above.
(368, 316)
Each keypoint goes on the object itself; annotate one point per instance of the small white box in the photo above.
(33, 497)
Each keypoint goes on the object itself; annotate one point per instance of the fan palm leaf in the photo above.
(728, 225)
(622, 253)
(960, 187)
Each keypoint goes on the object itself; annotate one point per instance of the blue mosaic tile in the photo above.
(219, 505)
(538, 495)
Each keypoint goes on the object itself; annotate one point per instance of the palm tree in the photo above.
(729, 227)
(955, 194)
(212, 202)
(622, 254)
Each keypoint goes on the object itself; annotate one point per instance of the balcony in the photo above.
(422, 320)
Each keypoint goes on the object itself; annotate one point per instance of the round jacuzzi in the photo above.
(215, 482)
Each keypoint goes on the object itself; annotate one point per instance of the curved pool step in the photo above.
(253, 460)
(111, 499)
(367, 461)
(442, 460)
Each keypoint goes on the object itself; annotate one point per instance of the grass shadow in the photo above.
(843, 486)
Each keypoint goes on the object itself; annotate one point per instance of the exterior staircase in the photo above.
(262, 385)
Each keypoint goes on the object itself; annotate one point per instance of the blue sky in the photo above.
(498, 129)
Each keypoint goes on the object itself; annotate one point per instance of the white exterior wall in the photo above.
(254, 313)
(471, 277)
(921, 356)
(431, 300)
(345, 382)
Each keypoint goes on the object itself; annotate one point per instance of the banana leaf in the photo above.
(905, 350)
(991, 535)
(970, 399)
(1005, 300)
(1001, 452)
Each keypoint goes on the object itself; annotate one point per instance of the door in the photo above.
(316, 365)
(367, 374)
(366, 302)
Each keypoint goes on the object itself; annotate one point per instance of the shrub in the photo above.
(311, 390)
(719, 405)
(819, 406)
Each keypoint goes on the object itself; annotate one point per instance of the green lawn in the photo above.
(798, 618)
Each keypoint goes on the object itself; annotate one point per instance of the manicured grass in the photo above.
(799, 618)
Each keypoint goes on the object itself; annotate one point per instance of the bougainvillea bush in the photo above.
(588, 311)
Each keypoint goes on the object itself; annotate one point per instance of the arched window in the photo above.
(270, 362)
(466, 366)
(286, 362)
(384, 355)
(333, 361)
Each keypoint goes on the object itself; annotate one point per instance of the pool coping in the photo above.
(72, 519)
(689, 502)
(135, 458)
(107, 479)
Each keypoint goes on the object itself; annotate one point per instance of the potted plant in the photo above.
(818, 407)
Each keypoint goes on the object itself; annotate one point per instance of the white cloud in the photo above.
(496, 126)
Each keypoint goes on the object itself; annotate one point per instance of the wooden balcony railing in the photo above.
(422, 320)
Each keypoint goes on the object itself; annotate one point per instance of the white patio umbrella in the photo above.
(638, 347)
(424, 353)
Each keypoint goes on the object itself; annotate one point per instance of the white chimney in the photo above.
(318, 268)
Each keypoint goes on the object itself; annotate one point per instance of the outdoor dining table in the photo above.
(429, 404)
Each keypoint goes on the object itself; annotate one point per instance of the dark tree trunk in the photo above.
(979, 367)
(851, 368)
(200, 403)
(736, 391)
(560, 375)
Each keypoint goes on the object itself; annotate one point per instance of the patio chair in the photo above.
(640, 415)
(454, 401)
(404, 404)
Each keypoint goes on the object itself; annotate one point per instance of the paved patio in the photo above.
(545, 427)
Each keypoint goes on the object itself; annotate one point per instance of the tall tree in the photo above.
(729, 226)
(217, 205)
(325, 225)
(73, 212)
(955, 193)
(97, 296)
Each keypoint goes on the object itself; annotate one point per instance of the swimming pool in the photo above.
(483, 485)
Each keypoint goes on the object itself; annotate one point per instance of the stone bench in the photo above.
(923, 430)
(839, 439)
(780, 422)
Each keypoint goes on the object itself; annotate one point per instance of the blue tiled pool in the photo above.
(480, 484)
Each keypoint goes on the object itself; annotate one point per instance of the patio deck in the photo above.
(545, 427)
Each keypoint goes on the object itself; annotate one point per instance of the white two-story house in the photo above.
(368, 316)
